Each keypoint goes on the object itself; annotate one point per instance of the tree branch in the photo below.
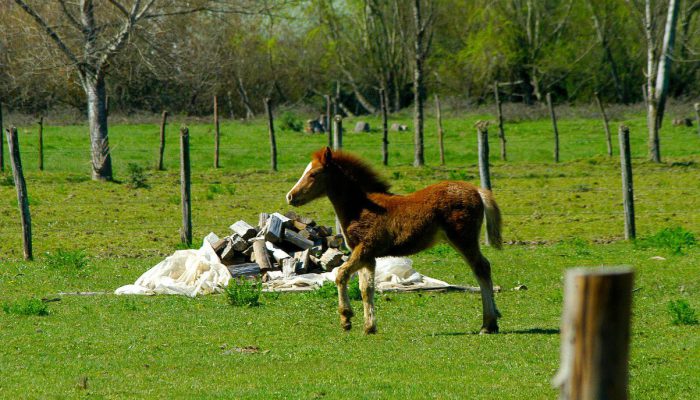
(52, 34)
(71, 17)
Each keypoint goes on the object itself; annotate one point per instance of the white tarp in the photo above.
(193, 272)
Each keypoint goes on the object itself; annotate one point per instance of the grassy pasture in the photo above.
(558, 216)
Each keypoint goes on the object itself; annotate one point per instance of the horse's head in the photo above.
(313, 181)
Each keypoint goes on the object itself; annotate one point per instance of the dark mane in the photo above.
(356, 170)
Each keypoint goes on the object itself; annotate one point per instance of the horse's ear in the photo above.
(327, 155)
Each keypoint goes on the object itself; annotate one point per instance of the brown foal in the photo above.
(376, 223)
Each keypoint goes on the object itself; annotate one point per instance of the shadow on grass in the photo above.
(531, 331)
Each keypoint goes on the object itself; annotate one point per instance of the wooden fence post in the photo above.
(627, 188)
(697, 117)
(185, 192)
(554, 125)
(22, 196)
(337, 132)
(608, 139)
(337, 145)
(41, 143)
(441, 132)
(161, 149)
(216, 132)
(271, 130)
(482, 132)
(2, 143)
(385, 127)
(595, 334)
(327, 120)
(499, 114)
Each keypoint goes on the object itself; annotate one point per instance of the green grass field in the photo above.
(556, 216)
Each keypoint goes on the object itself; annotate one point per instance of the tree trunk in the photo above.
(97, 121)
(664, 68)
(418, 89)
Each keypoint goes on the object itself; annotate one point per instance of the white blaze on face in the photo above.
(306, 171)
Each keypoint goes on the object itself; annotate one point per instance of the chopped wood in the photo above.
(277, 253)
(243, 229)
(238, 243)
(331, 258)
(248, 269)
(262, 220)
(289, 266)
(316, 251)
(248, 251)
(228, 254)
(261, 257)
(300, 226)
(220, 245)
(286, 222)
(274, 229)
(291, 215)
(306, 220)
(334, 242)
(297, 240)
(304, 262)
(324, 231)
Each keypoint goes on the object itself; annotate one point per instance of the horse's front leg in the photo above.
(343, 276)
(367, 289)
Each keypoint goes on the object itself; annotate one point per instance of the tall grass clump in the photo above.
(290, 122)
(26, 307)
(68, 261)
(682, 313)
(244, 292)
(675, 239)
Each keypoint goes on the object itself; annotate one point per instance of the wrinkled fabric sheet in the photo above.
(186, 272)
(391, 273)
(195, 272)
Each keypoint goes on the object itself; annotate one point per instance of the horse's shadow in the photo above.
(530, 331)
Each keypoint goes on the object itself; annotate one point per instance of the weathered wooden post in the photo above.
(337, 145)
(482, 133)
(627, 188)
(2, 142)
(327, 120)
(186, 199)
(385, 127)
(595, 334)
(161, 149)
(697, 118)
(441, 132)
(608, 139)
(554, 126)
(216, 132)
(271, 130)
(337, 132)
(22, 196)
(41, 143)
(499, 114)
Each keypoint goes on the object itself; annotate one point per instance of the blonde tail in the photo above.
(493, 218)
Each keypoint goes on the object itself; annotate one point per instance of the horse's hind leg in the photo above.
(367, 289)
(352, 265)
(482, 269)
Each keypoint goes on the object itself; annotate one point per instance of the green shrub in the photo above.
(67, 260)
(26, 307)
(676, 239)
(244, 292)
(682, 313)
(6, 179)
(290, 122)
(136, 176)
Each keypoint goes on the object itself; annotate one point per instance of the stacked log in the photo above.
(290, 243)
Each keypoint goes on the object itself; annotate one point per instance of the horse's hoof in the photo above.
(347, 325)
(488, 330)
(370, 330)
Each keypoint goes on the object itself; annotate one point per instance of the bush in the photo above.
(26, 307)
(290, 122)
(67, 260)
(682, 313)
(676, 239)
(244, 292)
(136, 176)
(6, 179)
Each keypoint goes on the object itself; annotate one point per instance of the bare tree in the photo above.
(422, 38)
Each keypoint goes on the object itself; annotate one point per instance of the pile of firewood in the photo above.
(290, 243)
